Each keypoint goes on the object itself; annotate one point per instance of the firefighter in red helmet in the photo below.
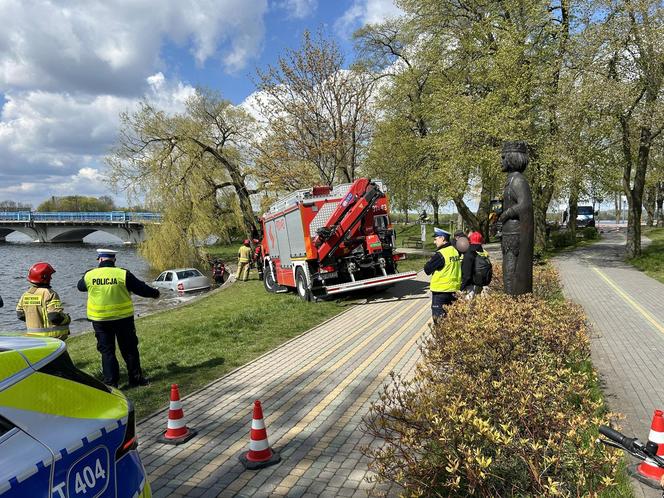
(40, 306)
(258, 258)
(243, 261)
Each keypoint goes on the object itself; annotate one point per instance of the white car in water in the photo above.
(182, 280)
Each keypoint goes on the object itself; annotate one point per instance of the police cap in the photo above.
(106, 253)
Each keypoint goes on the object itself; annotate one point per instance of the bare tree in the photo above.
(317, 114)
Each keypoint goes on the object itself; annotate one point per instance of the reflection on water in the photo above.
(70, 261)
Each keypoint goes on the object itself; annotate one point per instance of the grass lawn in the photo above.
(413, 230)
(194, 344)
(227, 253)
(651, 260)
(413, 262)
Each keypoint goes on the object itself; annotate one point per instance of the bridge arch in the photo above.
(32, 234)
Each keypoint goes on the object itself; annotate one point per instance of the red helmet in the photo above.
(40, 273)
(256, 241)
(476, 238)
(245, 242)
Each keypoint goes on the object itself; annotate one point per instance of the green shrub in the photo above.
(562, 238)
(503, 403)
(590, 233)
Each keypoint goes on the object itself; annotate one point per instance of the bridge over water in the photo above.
(73, 226)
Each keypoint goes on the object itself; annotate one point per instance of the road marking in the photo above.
(306, 462)
(240, 437)
(316, 410)
(646, 314)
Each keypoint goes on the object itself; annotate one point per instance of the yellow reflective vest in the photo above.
(108, 297)
(448, 278)
(36, 304)
(244, 254)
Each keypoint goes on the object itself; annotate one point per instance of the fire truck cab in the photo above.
(328, 240)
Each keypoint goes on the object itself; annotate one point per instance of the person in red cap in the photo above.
(40, 307)
(475, 267)
(243, 261)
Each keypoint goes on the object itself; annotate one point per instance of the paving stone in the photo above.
(313, 414)
(622, 334)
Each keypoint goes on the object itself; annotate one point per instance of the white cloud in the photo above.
(364, 12)
(111, 46)
(53, 143)
(298, 9)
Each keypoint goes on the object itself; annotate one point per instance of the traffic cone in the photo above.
(648, 468)
(177, 431)
(260, 454)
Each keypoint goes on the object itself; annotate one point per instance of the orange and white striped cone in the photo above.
(648, 468)
(260, 454)
(177, 431)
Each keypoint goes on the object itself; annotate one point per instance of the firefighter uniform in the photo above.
(445, 270)
(243, 261)
(111, 311)
(41, 309)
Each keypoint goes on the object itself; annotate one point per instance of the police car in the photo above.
(63, 434)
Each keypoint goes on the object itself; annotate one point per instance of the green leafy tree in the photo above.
(78, 203)
(484, 72)
(624, 64)
(192, 167)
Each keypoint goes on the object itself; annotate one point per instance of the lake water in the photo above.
(70, 261)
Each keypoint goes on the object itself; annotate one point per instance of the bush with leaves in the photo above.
(562, 238)
(590, 233)
(503, 403)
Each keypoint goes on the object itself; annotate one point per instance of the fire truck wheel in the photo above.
(301, 285)
(268, 281)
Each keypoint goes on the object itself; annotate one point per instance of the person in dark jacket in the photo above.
(111, 311)
(468, 265)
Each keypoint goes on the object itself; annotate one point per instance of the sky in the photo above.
(68, 68)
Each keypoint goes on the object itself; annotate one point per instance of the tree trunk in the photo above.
(633, 246)
(660, 203)
(435, 205)
(649, 203)
(406, 216)
(573, 209)
(483, 209)
(617, 207)
(635, 195)
(248, 218)
(466, 216)
(540, 207)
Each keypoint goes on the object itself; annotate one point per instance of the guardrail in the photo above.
(87, 217)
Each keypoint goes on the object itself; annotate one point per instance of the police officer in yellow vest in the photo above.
(111, 312)
(40, 307)
(243, 261)
(445, 270)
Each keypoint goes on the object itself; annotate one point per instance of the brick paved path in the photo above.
(314, 390)
(626, 310)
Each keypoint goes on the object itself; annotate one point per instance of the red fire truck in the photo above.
(328, 240)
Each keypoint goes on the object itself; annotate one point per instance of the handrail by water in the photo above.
(80, 216)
